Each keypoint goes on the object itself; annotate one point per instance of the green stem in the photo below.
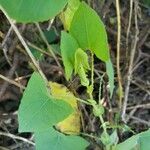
(105, 131)
(83, 101)
(103, 125)
(91, 136)
(92, 71)
(90, 92)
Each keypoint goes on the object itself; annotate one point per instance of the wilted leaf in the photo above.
(38, 110)
(53, 140)
(71, 125)
(89, 31)
(32, 10)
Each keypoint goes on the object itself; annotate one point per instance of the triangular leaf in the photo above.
(89, 31)
(38, 110)
(32, 10)
(53, 140)
(68, 48)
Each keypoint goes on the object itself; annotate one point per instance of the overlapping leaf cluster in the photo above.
(40, 111)
(86, 32)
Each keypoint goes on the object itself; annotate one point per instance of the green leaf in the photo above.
(137, 142)
(51, 35)
(53, 140)
(81, 66)
(88, 29)
(144, 141)
(67, 15)
(32, 10)
(110, 73)
(83, 76)
(98, 110)
(56, 48)
(81, 58)
(146, 2)
(38, 110)
(114, 138)
(68, 48)
(38, 55)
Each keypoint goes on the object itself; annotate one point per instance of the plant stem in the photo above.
(17, 138)
(83, 101)
(118, 53)
(103, 125)
(132, 56)
(90, 92)
(11, 82)
(92, 71)
(105, 131)
(88, 135)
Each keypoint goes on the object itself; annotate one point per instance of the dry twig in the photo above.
(10, 74)
(129, 75)
(25, 45)
(17, 138)
(129, 24)
(47, 44)
(118, 52)
(12, 82)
